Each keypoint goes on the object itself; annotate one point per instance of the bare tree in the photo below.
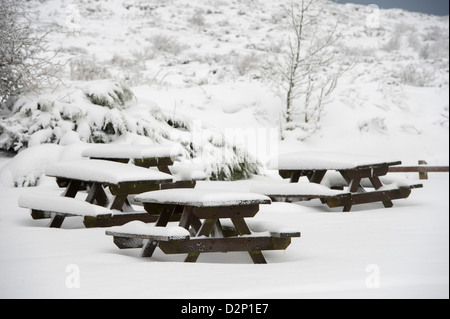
(306, 72)
(26, 63)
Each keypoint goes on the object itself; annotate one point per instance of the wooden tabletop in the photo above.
(106, 172)
(202, 198)
(327, 161)
(128, 151)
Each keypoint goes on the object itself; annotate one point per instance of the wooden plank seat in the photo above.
(384, 190)
(384, 196)
(334, 180)
(291, 192)
(178, 240)
(260, 227)
(58, 208)
(203, 212)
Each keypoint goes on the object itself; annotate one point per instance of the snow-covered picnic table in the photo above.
(108, 185)
(211, 221)
(156, 156)
(357, 171)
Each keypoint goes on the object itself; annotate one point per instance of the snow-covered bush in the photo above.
(416, 75)
(109, 94)
(165, 43)
(246, 63)
(376, 124)
(435, 50)
(107, 111)
(197, 20)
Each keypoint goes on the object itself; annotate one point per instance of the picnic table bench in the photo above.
(42, 205)
(108, 186)
(203, 226)
(357, 171)
(160, 157)
(291, 192)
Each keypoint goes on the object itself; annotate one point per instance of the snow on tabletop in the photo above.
(292, 189)
(141, 228)
(202, 198)
(323, 160)
(61, 204)
(132, 151)
(105, 172)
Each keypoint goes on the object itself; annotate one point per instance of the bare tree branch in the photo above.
(26, 63)
(307, 70)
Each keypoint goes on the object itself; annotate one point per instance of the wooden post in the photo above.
(423, 174)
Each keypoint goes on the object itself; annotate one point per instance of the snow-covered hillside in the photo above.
(199, 73)
(208, 61)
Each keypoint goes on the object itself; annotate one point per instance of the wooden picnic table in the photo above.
(149, 156)
(353, 168)
(160, 156)
(108, 185)
(203, 225)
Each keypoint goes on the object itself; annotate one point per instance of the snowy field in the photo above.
(371, 252)
(210, 74)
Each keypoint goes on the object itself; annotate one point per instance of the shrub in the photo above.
(26, 63)
(197, 19)
(165, 43)
(246, 63)
(109, 94)
(94, 112)
(87, 69)
(415, 75)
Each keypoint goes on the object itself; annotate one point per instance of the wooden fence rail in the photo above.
(423, 169)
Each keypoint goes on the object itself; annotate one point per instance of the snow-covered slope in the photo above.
(205, 63)
(208, 60)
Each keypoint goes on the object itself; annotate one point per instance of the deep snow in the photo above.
(371, 252)
(394, 103)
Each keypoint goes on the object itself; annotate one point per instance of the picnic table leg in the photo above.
(186, 217)
(243, 229)
(164, 169)
(96, 193)
(72, 188)
(354, 185)
(205, 230)
(71, 191)
(376, 182)
(295, 177)
(189, 219)
(56, 221)
(163, 219)
(118, 203)
(317, 176)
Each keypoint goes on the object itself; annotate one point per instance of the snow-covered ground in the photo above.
(371, 252)
(204, 61)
